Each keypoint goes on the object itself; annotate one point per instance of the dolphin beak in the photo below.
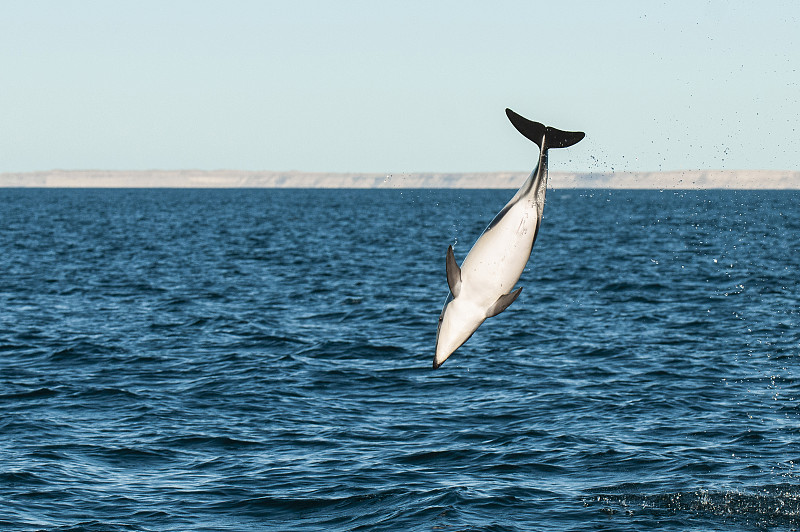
(438, 361)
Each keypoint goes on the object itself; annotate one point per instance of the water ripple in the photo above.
(260, 360)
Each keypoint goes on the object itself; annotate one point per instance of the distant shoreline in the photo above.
(681, 180)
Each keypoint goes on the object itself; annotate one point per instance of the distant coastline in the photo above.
(688, 179)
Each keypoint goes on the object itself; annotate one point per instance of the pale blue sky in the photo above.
(405, 86)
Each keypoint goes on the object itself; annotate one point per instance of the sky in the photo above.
(397, 86)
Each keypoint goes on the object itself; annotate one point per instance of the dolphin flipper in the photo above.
(534, 131)
(453, 272)
(503, 302)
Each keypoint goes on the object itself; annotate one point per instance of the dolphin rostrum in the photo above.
(481, 288)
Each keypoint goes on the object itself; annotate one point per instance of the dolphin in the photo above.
(481, 287)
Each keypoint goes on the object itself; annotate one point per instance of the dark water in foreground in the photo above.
(175, 360)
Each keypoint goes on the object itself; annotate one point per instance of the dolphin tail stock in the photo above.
(537, 132)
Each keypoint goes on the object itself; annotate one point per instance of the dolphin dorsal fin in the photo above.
(453, 273)
(503, 302)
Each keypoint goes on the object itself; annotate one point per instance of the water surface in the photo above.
(216, 360)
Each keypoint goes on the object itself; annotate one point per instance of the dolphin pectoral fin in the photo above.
(503, 302)
(453, 273)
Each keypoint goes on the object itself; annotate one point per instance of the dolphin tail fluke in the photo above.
(537, 132)
(555, 138)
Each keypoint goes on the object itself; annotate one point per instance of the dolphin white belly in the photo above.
(496, 261)
(481, 287)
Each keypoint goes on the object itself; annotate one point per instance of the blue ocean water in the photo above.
(215, 360)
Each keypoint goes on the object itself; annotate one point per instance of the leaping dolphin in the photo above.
(481, 288)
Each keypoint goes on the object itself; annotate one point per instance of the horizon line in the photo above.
(191, 178)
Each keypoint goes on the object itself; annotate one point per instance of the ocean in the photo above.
(236, 360)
